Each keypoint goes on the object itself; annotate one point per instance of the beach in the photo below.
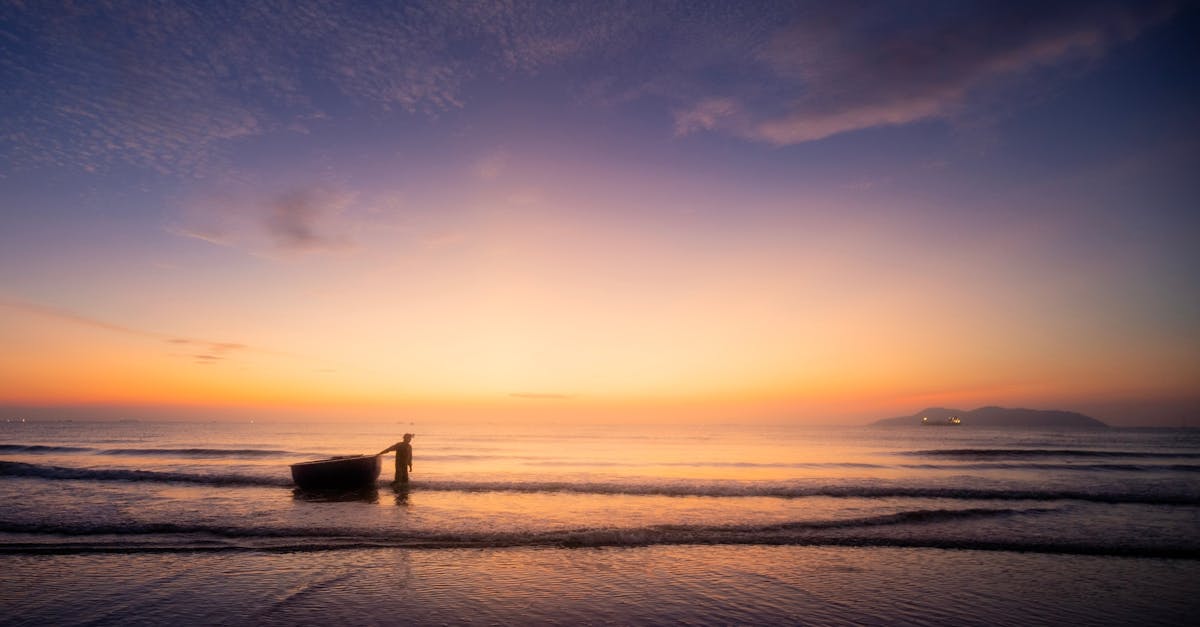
(646, 585)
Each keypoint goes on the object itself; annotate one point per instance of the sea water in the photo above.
(138, 522)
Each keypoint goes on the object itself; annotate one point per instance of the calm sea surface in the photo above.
(199, 523)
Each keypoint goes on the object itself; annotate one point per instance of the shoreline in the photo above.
(644, 585)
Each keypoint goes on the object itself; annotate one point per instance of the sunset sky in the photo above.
(818, 212)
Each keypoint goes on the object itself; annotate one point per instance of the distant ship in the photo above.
(952, 421)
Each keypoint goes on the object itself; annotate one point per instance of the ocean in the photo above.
(199, 523)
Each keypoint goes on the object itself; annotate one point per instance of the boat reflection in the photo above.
(362, 495)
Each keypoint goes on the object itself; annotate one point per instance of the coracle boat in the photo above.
(346, 472)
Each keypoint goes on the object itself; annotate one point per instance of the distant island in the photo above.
(995, 417)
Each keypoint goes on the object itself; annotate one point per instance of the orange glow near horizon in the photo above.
(536, 356)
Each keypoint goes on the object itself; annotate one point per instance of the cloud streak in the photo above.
(865, 65)
(178, 87)
(202, 351)
(303, 219)
(175, 86)
(205, 352)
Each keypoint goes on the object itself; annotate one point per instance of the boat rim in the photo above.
(340, 458)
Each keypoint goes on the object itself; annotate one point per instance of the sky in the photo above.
(805, 212)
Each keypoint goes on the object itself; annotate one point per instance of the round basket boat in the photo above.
(347, 472)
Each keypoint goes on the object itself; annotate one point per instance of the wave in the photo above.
(786, 491)
(178, 538)
(1066, 466)
(695, 464)
(21, 469)
(256, 453)
(611, 540)
(859, 465)
(121, 529)
(975, 453)
(151, 452)
(200, 452)
(615, 488)
(39, 448)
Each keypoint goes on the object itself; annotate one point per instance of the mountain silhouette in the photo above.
(992, 416)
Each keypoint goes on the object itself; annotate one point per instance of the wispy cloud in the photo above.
(300, 220)
(705, 115)
(215, 238)
(491, 166)
(177, 87)
(68, 316)
(865, 65)
(202, 351)
(174, 86)
(205, 352)
(130, 83)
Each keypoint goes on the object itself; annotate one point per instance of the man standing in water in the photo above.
(403, 458)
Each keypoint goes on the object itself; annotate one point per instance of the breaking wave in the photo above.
(148, 452)
(788, 491)
(981, 465)
(21, 469)
(782, 490)
(182, 538)
(991, 453)
(86, 528)
(200, 452)
(39, 448)
(1056, 467)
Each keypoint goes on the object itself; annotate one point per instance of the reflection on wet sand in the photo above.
(401, 492)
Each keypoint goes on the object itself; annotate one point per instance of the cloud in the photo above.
(208, 352)
(204, 351)
(94, 85)
(868, 65)
(705, 115)
(178, 87)
(490, 167)
(803, 126)
(175, 87)
(301, 219)
(215, 238)
(67, 316)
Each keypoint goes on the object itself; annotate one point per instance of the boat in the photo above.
(345, 472)
(952, 421)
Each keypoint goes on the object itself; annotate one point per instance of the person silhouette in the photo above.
(403, 458)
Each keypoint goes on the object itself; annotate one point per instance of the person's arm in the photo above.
(390, 448)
